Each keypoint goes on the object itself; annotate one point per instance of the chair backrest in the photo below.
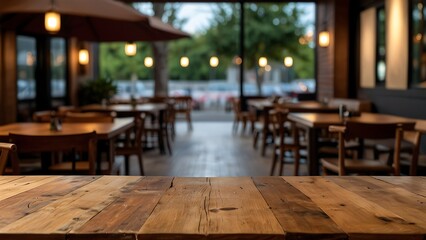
(82, 142)
(63, 110)
(370, 130)
(278, 118)
(42, 116)
(183, 103)
(355, 105)
(5, 148)
(75, 117)
(236, 106)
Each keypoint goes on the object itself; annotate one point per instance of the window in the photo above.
(418, 49)
(26, 66)
(58, 67)
(381, 46)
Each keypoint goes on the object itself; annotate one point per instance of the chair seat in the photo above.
(356, 165)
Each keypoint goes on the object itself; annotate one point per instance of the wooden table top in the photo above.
(103, 130)
(127, 108)
(303, 106)
(323, 120)
(118, 207)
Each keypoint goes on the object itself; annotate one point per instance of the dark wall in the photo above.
(407, 103)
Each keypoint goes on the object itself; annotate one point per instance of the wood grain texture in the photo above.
(126, 214)
(360, 218)
(131, 208)
(298, 215)
(389, 196)
(72, 210)
(103, 130)
(230, 208)
(181, 212)
(416, 185)
(25, 203)
(20, 185)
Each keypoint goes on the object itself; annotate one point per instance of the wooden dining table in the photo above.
(262, 107)
(105, 132)
(314, 122)
(126, 109)
(133, 207)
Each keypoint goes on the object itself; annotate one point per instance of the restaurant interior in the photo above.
(346, 161)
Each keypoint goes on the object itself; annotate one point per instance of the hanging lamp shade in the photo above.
(52, 21)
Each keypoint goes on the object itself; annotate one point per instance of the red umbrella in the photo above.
(90, 20)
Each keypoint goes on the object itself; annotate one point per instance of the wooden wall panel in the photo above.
(397, 44)
(8, 101)
(332, 61)
(368, 41)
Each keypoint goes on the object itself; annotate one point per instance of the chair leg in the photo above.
(281, 159)
(188, 119)
(235, 126)
(296, 154)
(244, 126)
(166, 135)
(274, 161)
(264, 139)
(126, 165)
(255, 137)
(141, 163)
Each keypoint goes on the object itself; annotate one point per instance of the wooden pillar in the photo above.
(78, 74)
(333, 61)
(8, 88)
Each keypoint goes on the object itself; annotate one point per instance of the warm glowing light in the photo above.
(52, 22)
(263, 61)
(418, 37)
(288, 62)
(30, 59)
(184, 61)
(214, 61)
(268, 68)
(237, 60)
(83, 56)
(130, 49)
(324, 39)
(148, 62)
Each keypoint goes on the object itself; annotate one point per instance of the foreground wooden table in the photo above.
(113, 207)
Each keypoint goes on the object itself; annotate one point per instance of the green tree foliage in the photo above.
(115, 64)
(272, 30)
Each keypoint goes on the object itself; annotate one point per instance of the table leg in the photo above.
(313, 152)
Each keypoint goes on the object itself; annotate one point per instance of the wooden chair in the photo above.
(132, 145)
(5, 148)
(240, 116)
(42, 116)
(409, 150)
(285, 142)
(88, 117)
(183, 106)
(63, 110)
(263, 129)
(157, 126)
(69, 144)
(363, 131)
